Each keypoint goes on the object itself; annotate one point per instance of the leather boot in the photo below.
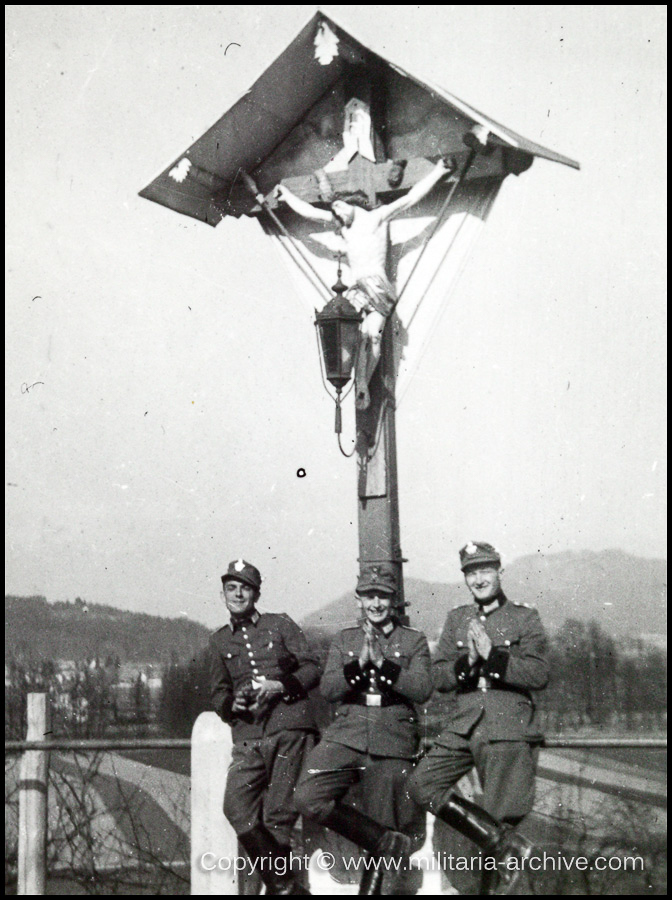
(494, 839)
(371, 882)
(290, 882)
(472, 821)
(382, 843)
(366, 832)
(262, 846)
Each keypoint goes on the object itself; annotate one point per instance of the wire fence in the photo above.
(119, 817)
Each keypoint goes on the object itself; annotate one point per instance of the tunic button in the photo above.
(250, 653)
(495, 674)
(256, 671)
(484, 689)
(482, 618)
(460, 643)
(350, 653)
(396, 653)
(248, 646)
(507, 643)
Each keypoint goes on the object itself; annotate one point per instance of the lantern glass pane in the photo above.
(350, 338)
(329, 340)
(349, 342)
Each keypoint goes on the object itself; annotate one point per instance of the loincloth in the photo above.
(373, 293)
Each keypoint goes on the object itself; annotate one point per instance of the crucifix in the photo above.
(358, 192)
(363, 167)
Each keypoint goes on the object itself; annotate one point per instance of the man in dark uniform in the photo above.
(376, 671)
(491, 654)
(261, 671)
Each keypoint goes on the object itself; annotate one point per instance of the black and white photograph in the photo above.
(336, 450)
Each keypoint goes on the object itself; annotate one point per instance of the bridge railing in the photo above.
(210, 833)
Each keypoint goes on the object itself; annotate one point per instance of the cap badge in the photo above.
(239, 565)
(471, 548)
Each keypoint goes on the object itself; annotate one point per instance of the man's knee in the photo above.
(309, 802)
(508, 785)
(420, 789)
(241, 816)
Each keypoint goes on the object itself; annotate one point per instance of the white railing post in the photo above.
(214, 845)
(33, 789)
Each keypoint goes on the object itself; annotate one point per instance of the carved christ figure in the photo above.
(364, 238)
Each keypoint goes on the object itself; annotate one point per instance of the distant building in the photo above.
(151, 674)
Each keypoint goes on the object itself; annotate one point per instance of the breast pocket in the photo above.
(268, 645)
(507, 641)
(400, 657)
(232, 661)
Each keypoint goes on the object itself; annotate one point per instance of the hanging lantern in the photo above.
(338, 329)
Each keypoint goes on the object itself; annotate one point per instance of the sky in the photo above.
(162, 380)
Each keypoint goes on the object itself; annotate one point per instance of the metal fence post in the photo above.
(33, 788)
(214, 845)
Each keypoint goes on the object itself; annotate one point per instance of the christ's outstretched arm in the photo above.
(418, 191)
(306, 210)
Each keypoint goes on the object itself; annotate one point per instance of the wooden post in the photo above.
(214, 844)
(33, 787)
(376, 440)
(379, 539)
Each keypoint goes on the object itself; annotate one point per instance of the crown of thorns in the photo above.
(354, 198)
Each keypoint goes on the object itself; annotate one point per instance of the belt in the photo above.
(365, 699)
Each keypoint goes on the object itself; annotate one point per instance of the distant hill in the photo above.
(41, 630)
(626, 595)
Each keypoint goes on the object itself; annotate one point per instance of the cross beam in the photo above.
(374, 179)
(381, 180)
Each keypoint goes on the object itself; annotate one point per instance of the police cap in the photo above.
(477, 553)
(377, 578)
(243, 571)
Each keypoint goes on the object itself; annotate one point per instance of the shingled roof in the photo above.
(309, 69)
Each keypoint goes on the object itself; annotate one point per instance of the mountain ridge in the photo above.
(625, 594)
(39, 630)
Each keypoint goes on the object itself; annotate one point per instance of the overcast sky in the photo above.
(162, 383)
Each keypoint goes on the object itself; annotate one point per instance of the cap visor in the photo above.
(482, 561)
(247, 581)
(380, 588)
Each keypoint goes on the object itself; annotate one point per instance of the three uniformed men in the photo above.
(491, 654)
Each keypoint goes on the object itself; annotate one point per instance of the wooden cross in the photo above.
(380, 181)
(376, 180)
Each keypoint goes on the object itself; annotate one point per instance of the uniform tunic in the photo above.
(371, 740)
(269, 745)
(490, 718)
